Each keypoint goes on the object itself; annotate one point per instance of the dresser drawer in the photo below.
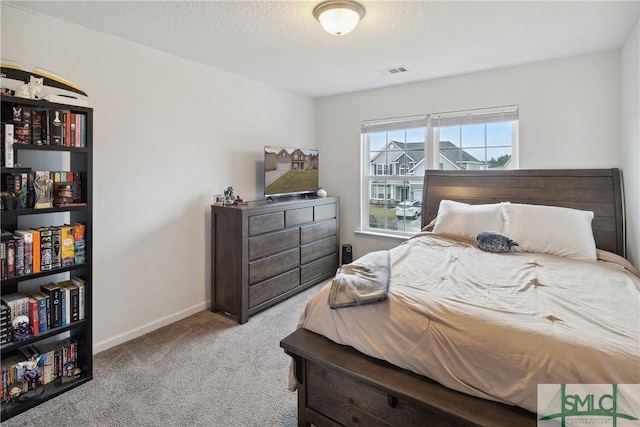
(273, 265)
(272, 243)
(271, 288)
(323, 267)
(317, 231)
(324, 212)
(259, 224)
(298, 216)
(317, 249)
(356, 403)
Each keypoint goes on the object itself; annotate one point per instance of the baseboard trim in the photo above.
(149, 327)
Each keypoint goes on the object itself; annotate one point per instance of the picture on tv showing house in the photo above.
(290, 171)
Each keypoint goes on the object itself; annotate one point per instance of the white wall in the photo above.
(569, 118)
(168, 133)
(630, 140)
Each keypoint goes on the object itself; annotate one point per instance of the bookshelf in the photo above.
(72, 338)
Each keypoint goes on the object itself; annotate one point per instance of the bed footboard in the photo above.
(340, 386)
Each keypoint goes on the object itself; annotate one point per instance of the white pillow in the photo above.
(465, 220)
(551, 230)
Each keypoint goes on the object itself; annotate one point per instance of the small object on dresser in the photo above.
(218, 199)
(229, 198)
(321, 192)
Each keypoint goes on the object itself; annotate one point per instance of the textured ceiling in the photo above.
(280, 43)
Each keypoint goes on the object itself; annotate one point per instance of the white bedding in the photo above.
(495, 325)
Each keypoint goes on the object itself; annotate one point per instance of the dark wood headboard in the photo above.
(597, 190)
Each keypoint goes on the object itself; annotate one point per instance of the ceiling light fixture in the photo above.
(339, 17)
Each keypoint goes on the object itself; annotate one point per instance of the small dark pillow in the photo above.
(494, 241)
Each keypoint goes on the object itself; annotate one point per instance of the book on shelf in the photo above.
(36, 127)
(34, 322)
(56, 247)
(67, 245)
(21, 118)
(5, 324)
(45, 118)
(3, 260)
(79, 251)
(36, 250)
(80, 283)
(19, 256)
(56, 127)
(27, 237)
(7, 145)
(18, 304)
(53, 290)
(46, 249)
(43, 322)
(11, 258)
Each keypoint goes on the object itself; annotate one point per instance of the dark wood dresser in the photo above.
(264, 252)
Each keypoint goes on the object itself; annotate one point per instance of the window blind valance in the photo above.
(471, 117)
(397, 123)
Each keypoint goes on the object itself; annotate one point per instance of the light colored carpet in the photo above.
(205, 370)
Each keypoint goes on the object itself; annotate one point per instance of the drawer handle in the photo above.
(392, 401)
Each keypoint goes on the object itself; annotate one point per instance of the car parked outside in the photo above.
(409, 209)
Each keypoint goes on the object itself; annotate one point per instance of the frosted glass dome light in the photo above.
(339, 17)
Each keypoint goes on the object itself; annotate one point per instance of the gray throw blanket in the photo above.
(364, 281)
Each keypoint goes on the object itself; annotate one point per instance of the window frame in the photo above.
(375, 184)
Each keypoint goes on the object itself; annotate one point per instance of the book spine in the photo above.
(36, 251)
(79, 253)
(34, 323)
(36, 127)
(46, 127)
(42, 312)
(75, 303)
(11, 258)
(7, 145)
(56, 246)
(46, 249)
(68, 243)
(79, 282)
(83, 130)
(19, 256)
(56, 127)
(56, 307)
(64, 306)
(3, 260)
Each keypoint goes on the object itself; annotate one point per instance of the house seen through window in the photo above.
(396, 153)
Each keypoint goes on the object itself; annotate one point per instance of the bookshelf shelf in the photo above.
(29, 157)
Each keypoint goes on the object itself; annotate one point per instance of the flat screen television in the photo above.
(290, 171)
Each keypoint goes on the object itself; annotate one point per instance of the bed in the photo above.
(468, 342)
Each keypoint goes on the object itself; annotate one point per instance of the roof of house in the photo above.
(415, 150)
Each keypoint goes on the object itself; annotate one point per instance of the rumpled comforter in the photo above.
(495, 325)
(364, 281)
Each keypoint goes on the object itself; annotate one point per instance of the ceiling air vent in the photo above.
(392, 71)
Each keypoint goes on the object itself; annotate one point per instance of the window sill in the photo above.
(383, 236)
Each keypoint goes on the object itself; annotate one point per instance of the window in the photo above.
(393, 172)
(397, 151)
(476, 139)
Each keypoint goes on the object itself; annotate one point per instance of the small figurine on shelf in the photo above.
(63, 194)
(229, 198)
(30, 90)
(21, 329)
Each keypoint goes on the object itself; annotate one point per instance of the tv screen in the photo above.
(290, 170)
